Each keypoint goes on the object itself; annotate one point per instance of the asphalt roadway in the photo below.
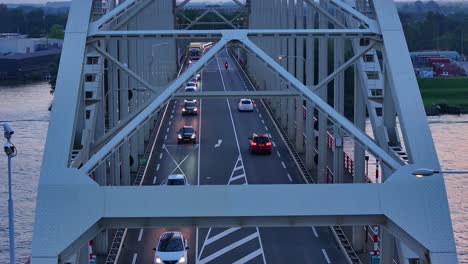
(221, 157)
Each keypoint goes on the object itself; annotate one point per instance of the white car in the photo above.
(191, 87)
(172, 248)
(190, 101)
(175, 179)
(246, 105)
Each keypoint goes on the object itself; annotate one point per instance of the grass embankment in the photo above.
(450, 91)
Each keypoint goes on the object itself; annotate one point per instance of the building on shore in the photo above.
(428, 64)
(27, 58)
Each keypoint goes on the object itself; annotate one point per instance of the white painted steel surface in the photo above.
(65, 221)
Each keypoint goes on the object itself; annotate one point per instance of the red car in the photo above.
(260, 143)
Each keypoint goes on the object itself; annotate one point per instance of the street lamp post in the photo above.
(423, 172)
(10, 151)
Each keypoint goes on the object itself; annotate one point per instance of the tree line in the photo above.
(33, 22)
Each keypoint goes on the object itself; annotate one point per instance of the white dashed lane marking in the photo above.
(154, 182)
(274, 145)
(157, 167)
(263, 121)
(326, 256)
(160, 156)
(279, 155)
(315, 231)
(289, 177)
(141, 232)
(266, 128)
(284, 165)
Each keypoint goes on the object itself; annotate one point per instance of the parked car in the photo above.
(172, 248)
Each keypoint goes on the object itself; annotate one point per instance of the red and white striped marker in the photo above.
(376, 241)
(92, 258)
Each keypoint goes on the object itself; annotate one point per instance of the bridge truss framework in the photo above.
(83, 191)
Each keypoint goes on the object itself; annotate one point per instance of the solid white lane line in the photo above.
(141, 231)
(263, 121)
(326, 256)
(161, 155)
(249, 257)
(228, 248)
(157, 167)
(221, 235)
(274, 145)
(315, 231)
(279, 155)
(289, 177)
(266, 128)
(284, 165)
(134, 258)
(154, 182)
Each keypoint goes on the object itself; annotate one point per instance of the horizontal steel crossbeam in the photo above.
(235, 94)
(217, 34)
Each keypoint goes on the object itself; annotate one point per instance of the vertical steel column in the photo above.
(323, 93)
(338, 102)
(113, 90)
(310, 78)
(291, 68)
(284, 49)
(300, 76)
(123, 110)
(359, 234)
(133, 64)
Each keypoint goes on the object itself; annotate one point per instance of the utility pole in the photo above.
(10, 151)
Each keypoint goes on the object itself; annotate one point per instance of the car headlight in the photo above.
(179, 136)
(183, 109)
(181, 260)
(195, 109)
(158, 260)
(193, 136)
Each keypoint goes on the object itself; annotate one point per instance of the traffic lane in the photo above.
(298, 246)
(218, 153)
(151, 239)
(227, 245)
(256, 169)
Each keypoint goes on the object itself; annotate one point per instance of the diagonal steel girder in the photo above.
(113, 14)
(357, 134)
(126, 69)
(161, 99)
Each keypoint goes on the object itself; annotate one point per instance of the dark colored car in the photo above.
(260, 143)
(186, 134)
(189, 108)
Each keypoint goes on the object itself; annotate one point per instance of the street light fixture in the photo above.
(423, 172)
(10, 151)
(281, 57)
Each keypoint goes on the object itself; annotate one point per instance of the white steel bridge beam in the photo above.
(299, 205)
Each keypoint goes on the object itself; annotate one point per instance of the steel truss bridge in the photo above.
(117, 108)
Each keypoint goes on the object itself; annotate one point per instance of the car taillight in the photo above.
(253, 144)
(268, 144)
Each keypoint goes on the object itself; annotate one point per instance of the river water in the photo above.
(26, 106)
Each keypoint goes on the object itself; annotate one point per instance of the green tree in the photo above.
(56, 31)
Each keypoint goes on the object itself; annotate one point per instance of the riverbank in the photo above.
(444, 95)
